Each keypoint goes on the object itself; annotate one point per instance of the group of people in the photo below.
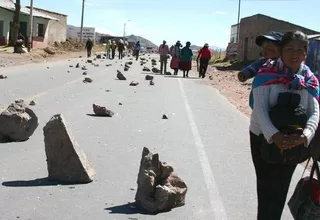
(111, 47)
(285, 115)
(182, 58)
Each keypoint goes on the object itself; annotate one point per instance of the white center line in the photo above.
(217, 206)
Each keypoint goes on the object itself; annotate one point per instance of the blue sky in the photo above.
(186, 20)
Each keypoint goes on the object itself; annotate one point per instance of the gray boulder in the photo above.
(18, 122)
(65, 160)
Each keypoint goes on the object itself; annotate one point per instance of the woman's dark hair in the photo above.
(294, 35)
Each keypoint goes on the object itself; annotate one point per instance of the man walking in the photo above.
(89, 46)
(164, 54)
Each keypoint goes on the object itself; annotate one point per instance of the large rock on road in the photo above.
(18, 122)
(65, 160)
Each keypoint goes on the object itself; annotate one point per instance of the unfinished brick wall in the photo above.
(251, 27)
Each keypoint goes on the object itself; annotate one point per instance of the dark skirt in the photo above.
(185, 65)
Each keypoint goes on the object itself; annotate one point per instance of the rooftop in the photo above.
(10, 5)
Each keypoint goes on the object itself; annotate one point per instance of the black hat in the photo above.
(273, 36)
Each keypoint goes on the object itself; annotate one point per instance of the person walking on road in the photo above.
(205, 56)
(89, 46)
(175, 53)
(284, 119)
(108, 48)
(186, 59)
(113, 49)
(164, 54)
(136, 50)
(120, 49)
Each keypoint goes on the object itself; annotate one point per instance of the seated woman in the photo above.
(283, 83)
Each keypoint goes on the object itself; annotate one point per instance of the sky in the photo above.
(200, 21)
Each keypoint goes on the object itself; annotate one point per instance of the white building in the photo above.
(74, 32)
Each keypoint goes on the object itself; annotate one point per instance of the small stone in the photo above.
(151, 83)
(155, 70)
(85, 73)
(87, 80)
(126, 69)
(120, 76)
(71, 66)
(120, 103)
(134, 83)
(148, 77)
(84, 68)
(146, 69)
(165, 116)
(78, 65)
(3, 77)
(102, 111)
(168, 73)
(32, 103)
(89, 61)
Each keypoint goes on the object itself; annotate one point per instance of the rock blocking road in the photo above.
(205, 139)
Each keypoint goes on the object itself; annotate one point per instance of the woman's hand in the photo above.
(298, 140)
(285, 141)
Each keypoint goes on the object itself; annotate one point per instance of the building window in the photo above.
(41, 30)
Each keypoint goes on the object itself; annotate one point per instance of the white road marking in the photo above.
(217, 206)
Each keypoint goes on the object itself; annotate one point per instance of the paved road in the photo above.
(205, 139)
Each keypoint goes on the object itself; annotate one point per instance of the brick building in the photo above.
(251, 27)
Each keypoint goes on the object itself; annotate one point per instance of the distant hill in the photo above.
(144, 42)
(195, 47)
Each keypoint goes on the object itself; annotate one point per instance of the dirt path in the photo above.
(227, 83)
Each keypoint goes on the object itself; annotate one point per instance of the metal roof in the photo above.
(314, 37)
(9, 5)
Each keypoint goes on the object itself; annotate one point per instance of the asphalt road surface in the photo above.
(205, 139)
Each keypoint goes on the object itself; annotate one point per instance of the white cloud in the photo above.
(221, 12)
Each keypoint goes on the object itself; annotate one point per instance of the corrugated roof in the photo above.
(9, 5)
(314, 37)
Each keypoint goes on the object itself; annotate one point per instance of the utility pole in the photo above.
(238, 24)
(31, 26)
(124, 29)
(81, 28)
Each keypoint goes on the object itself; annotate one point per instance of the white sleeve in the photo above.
(261, 107)
(313, 113)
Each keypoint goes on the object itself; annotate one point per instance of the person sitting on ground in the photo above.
(205, 56)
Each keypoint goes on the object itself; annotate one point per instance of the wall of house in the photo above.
(5, 18)
(38, 42)
(253, 26)
(57, 31)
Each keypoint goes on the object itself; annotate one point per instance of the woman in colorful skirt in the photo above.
(186, 60)
(175, 53)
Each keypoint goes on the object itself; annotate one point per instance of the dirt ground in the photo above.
(59, 51)
(226, 81)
